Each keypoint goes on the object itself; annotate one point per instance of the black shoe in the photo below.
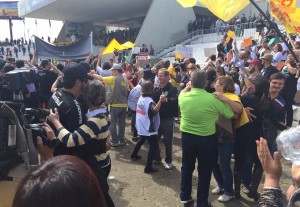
(136, 157)
(150, 170)
(135, 139)
(254, 196)
(237, 195)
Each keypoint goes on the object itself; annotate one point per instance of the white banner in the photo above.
(209, 51)
(184, 51)
(136, 50)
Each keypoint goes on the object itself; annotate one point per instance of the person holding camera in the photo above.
(96, 126)
(72, 116)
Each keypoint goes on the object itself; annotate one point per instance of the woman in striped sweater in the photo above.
(96, 126)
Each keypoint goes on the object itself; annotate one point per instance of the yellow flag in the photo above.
(225, 9)
(287, 15)
(113, 46)
(187, 3)
(178, 56)
(231, 34)
(128, 45)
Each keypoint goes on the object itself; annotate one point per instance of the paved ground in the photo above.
(129, 186)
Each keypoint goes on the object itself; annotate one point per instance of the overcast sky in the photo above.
(19, 29)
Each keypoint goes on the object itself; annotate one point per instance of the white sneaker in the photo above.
(225, 198)
(168, 166)
(187, 201)
(245, 189)
(217, 190)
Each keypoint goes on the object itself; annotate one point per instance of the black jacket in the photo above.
(168, 109)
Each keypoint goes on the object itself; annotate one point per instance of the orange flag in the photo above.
(247, 42)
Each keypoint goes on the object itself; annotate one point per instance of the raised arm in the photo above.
(56, 70)
(33, 60)
(89, 57)
(54, 85)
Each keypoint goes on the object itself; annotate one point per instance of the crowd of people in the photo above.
(17, 46)
(103, 38)
(242, 94)
(237, 24)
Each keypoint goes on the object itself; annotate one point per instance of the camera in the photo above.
(35, 118)
(36, 115)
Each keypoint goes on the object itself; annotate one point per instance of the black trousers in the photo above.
(152, 149)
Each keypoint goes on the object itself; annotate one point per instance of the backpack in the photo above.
(134, 96)
(15, 145)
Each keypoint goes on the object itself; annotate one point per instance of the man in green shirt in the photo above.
(199, 111)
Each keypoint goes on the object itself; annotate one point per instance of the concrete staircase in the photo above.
(199, 39)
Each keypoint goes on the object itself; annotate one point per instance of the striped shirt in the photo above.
(96, 127)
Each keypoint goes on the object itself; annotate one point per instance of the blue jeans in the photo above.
(247, 169)
(204, 149)
(222, 170)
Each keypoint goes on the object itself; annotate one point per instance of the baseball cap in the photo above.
(268, 56)
(75, 71)
(254, 62)
(116, 67)
(86, 66)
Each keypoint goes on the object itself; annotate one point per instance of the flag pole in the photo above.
(276, 29)
(91, 42)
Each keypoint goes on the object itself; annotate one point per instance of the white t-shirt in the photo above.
(103, 73)
(284, 49)
(277, 58)
(237, 89)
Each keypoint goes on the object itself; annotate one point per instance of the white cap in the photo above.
(297, 39)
